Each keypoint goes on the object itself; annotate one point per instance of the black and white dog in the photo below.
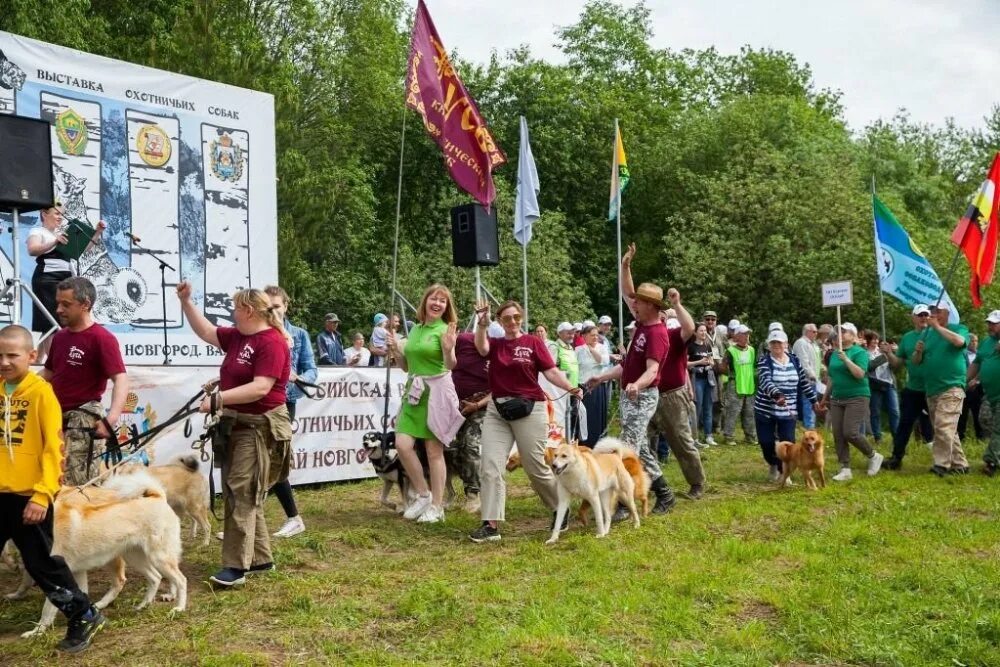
(381, 450)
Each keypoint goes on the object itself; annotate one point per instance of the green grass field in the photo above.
(896, 570)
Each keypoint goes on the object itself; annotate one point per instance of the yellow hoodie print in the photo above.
(31, 457)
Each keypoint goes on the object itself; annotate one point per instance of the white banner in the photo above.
(326, 445)
(166, 158)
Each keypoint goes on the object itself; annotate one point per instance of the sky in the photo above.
(935, 58)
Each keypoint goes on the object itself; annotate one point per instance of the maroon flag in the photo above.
(450, 114)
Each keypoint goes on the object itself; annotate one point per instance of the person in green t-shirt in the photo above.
(986, 368)
(848, 395)
(429, 351)
(941, 354)
(912, 400)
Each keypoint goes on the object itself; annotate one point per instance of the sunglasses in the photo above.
(924, 315)
(507, 319)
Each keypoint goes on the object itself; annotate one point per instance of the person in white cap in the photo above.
(567, 361)
(740, 364)
(986, 369)
(913, 399)
(848, 396)
(782, 380)
(942, 355)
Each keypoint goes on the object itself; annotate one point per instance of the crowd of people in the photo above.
(472, 397)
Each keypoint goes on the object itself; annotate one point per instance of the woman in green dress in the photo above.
(428, 351)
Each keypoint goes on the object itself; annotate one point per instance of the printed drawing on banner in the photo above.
(153, 145)
(154, 192)
(225, 163)
(71, 132)
(136, 420)
(11, 80)
(76, 173)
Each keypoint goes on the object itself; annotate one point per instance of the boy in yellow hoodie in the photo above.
(31, 467)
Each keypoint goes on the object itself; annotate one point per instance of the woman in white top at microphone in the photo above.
(51, 268)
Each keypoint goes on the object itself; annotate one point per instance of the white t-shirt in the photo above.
(379, 339)
(588, 366)
(50, 264)
(363, 355)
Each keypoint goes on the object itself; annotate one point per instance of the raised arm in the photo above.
(202, 328)
(482, 324)
(683, 316)
(627, 286)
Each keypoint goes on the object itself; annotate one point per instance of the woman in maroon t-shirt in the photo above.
(252, 381)
(515, 362)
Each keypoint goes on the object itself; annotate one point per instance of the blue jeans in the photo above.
(703, 404)
(770, 431)
(808, 413)
(888, 399)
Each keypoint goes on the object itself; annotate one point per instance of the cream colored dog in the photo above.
(597, 476)
(128, 519)
(187, 492)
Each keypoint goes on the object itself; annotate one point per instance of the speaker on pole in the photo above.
(474, 240)
(25, 164)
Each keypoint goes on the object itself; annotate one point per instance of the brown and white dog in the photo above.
(597, 476)
(187, 492)
(633, 466)
(126, 520)
(805, 455)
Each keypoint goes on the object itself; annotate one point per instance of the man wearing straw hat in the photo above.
(639, 374)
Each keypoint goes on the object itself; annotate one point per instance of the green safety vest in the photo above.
(568, 362)
(743, 369)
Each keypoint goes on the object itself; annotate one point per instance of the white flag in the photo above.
(526, 205)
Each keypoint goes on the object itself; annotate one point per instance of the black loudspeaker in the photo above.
(25, 164)
(474, 240)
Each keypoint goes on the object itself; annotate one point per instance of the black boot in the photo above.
(665, 500)
(620, 514)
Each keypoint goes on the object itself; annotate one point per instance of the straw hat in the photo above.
(651, 293)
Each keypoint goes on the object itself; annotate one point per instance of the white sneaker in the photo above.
(710, 441)
(930, 446)
(789, 482)
(472, 503)
(417, 507)
(221, 535)
(845, 475)
(774, 474)
(292, 527)
(700, 445)
(433, 514)
(875, 464)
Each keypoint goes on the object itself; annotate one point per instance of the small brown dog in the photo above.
(806, 455)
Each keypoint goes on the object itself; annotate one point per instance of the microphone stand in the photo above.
(163, 291)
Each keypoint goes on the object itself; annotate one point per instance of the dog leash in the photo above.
(143, 440)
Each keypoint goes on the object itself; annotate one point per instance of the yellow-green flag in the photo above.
(619, 175)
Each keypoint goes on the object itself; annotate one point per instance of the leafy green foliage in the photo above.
(748, 190)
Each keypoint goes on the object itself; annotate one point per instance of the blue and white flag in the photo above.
(526, 205)
(903, 271)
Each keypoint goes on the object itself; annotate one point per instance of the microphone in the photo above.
(133, 238)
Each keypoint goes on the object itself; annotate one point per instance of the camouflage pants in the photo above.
(464, 454)
(741, 407)
(77, 426)
(635, 417)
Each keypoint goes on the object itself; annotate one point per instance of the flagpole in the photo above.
(395, 261)
(878, 272)
(618, 221)
(524, 266)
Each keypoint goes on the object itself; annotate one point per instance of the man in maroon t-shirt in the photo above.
(83, 357)
(639, 374)
(472, 384)
(673, 408)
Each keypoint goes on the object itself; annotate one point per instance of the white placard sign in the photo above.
(326, 445)
(163, 157)
(838, 294)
